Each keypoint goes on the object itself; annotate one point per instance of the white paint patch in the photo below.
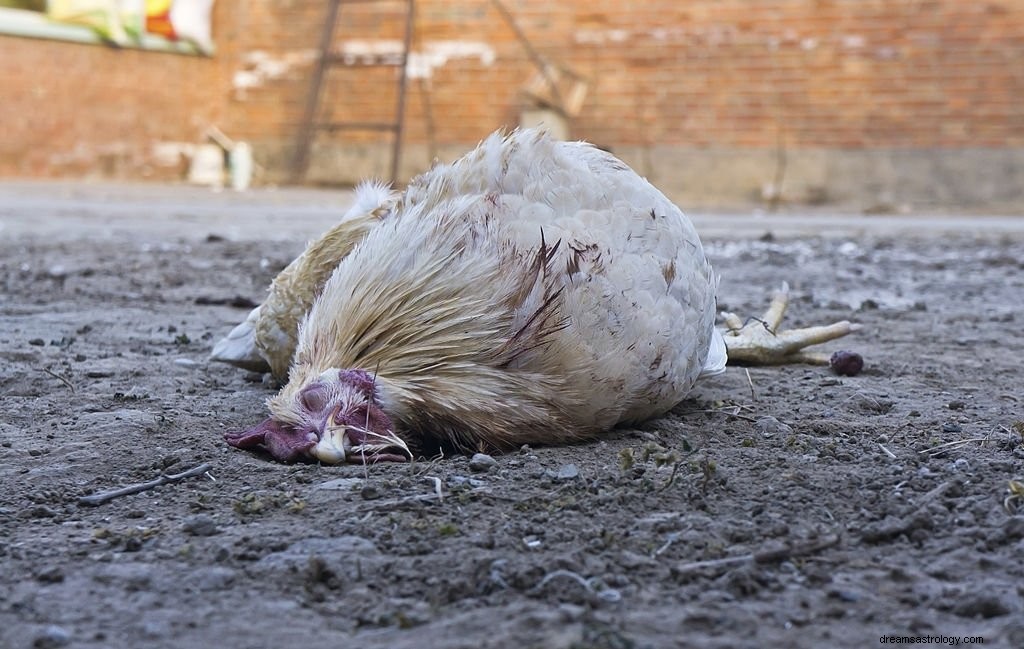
(421, 63)
(170, 154)
(853, 41)
(603, 36)
(259, 67)
(713, 35)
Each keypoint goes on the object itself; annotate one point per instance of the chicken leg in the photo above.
(758, 341)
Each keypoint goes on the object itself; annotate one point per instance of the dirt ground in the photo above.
(852, 508)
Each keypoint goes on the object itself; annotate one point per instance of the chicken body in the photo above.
(533, 291)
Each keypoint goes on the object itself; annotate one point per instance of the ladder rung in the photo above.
(360, 61)
(357, 126)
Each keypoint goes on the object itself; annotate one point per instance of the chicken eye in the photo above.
(314, 398)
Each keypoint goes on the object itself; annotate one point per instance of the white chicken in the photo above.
(532, 292)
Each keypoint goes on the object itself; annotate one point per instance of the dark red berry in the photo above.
(846, 363)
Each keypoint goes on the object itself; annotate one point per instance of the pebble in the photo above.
(214, 578)
(846, 363)
(844, 595)
(567, 472)
(200, 525)
(155, 629)
(481, 463)
(50, 575)
(1013, 528)
(340, 484)
(53, 636)
(960, 464)
(369, 492)
(984, 605)
(57, 271)
(41, 511)
(459, 480)
(770, 427)
(185, 362)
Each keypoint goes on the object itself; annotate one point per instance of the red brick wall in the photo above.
(834, 74)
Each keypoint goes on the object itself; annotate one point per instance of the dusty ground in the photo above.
(105, 326)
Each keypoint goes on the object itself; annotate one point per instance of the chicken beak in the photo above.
(331, 447)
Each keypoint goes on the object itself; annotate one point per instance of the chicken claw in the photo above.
(758, 341)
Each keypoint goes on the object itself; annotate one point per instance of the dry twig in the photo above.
(62, 379)
(100, 498)
(437, 487)
(948, 446)
(762, 557)
(892, 456)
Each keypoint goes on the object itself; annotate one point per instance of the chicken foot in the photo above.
(758, 341)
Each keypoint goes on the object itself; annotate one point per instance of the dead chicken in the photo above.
(532, 292)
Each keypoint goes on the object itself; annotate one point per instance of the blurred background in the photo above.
(877, 106)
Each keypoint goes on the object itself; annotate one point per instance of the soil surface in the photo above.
(779, 506)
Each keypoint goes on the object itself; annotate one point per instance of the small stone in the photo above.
(155, 629)
(567, 472)
(200, 525)
(481, 463)
(956, 405)
(461, 480)
(214, 578)
(771, 427)
(185, 362)
(844, 595)
(37, 342)
(951, 428)
(52, 637)
(960, 464)
(339, 484)
(846, 363)
(1013, 528)
(369, 492)
(41, 511)
(50, 575)
(984, 605)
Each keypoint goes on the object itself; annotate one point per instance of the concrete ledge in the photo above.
(873, 180)
(79, 211)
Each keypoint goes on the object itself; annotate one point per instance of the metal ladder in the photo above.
(311, 124)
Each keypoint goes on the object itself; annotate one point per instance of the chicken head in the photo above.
(334, 419)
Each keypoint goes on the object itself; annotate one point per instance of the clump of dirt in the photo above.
(777, 507)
